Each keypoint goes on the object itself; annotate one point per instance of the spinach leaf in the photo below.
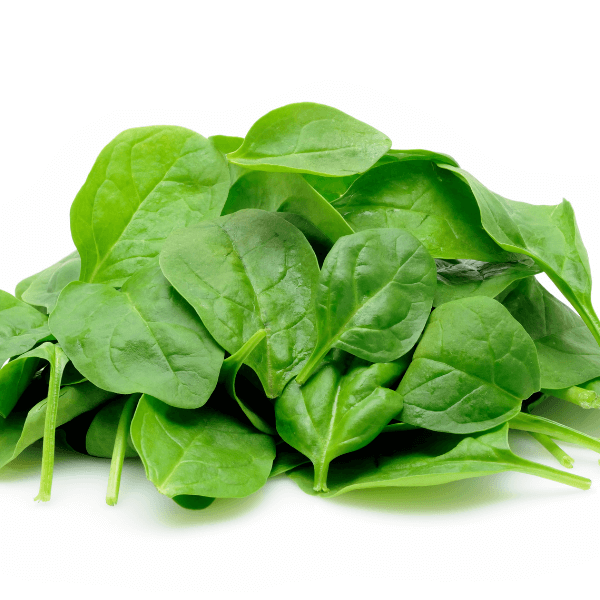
(102, 433)
(375, 294)
(310, 138)
(471, 370)
(286, 192)
(145, 338)
(245, 272)
(418, 196)
(45, 287)
(343, 407)
(410, 155)
(318, 241)
(422, 458)
(200, 452)
(21, 327)
(10, 432)
(193, 502)
(567, 351)
(464, 278)
(548, 234)
(145, 183)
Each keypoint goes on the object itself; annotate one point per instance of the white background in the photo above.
(507, 88)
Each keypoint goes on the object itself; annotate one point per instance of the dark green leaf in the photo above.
(473, 367)
(310, 138)
(141, 339)
(145, 183)
(100, 437)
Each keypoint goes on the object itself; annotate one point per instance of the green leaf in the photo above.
(375, 294)
(145, 338)
(437, 208)
(21, 327)
(101, 435)
(287, 459)
(548, 234)
(310, 138)
(343, 407)
(410, 155)
(567, 351)
(200, 452)
(464, 278)
(473, 367)
(145, 183)
(193, 502)
(10, 432)
(286, 192)
(73, 401)
(423, 458)
(45, 287)
(245, 272)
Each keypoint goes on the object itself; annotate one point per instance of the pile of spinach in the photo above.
(303, 300)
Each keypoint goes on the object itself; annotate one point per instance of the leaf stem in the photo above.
(321, 471)
(553, 448)
(57, 366)
(577, 395)
(119, 449)
(532, 468)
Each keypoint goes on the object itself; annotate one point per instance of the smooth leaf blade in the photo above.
(471, 370)
(310, 138)
(200, 452)
(145, 183)
(245, 272)
(145, 338)
(418, 196)
(375, 293)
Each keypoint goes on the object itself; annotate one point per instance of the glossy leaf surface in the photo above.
(310, 138)
(144, 338)
(343, 407)
(567, 351)
(200, 452)
(471, 370)
(245, 272)
(419, 197)
(145, 183)
(375, 293)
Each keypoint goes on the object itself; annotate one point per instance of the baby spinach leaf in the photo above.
(436, 157)
(200, 452)
(422, 458)
(286, 192)
(375, 294)
(10, 432)
(567, 351)
(310, 138)
(226, 143)
(471, 370)
(318, 241)
(435, 207)
(463, 278)
(21, 327)
(73, 401)
(141, 339)
(15, 376)
(342, 408)
(549, 234)
(145, 183)
(46, 286)
(245, 272)
(102, 433)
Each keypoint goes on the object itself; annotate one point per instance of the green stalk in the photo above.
(535, 424)
(57, 366)
(553, 448)
(119, 449)
(320, 482)
(577, 395)
(532, 468)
